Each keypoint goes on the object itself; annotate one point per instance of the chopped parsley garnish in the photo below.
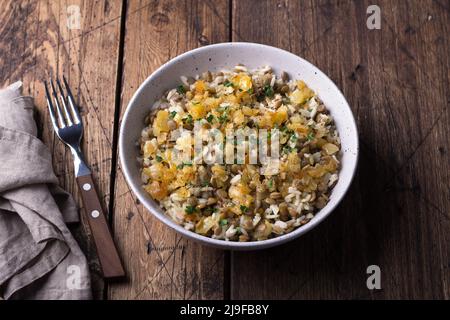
(188, 119)
(223, 222)
(181, 89)
(172, 114)
(250, 91)
(159, 159)
(184, 164)
(244, 209)
(210, 209)
(270, 183)
(210, 118)
(268, 91)
(190, 209)
(223, 117)
(205, 184)
(284, 128)
(288, 149)
(293, 138)
(238, 230)
(310, 136)
(228, 83)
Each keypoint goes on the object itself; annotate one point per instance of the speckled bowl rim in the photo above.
(153, 207)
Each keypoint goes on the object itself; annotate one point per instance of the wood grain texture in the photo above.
(159, 263)
(396, 214)
(36, 43)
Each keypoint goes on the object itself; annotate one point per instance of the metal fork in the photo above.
(67, 124)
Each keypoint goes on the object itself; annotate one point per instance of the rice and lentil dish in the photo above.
(235, 201)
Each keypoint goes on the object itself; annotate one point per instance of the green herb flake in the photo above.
(270, 183)
(190, 209)
(310, 136)
(159, 159)
(293, 138)
(210, 118)
(223, 222)
(188, 119)
(288, 149)
(181, 89)
(228, 83)
(268, 91)
(184, 164)
(172, 114)
(244, 209)
(223, 118)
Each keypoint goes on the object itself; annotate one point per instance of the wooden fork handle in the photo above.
(106, 250)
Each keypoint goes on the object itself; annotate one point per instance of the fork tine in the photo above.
(63, 102)
(50, 107)
(58, 107)
(72, 104)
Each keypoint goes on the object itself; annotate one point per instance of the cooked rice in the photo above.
(234, 201)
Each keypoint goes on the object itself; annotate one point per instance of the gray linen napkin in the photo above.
(39, 258)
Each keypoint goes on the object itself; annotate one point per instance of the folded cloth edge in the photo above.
(17, 109)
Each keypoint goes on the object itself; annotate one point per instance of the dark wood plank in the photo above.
(396, 213)
(160, 264)
(396, 79)
(37, 43)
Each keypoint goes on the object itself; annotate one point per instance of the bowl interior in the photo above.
(227, 55)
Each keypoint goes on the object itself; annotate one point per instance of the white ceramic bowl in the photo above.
(227, 55)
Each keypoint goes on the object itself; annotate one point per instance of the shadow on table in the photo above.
(331, 260)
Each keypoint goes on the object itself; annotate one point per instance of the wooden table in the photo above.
(396, 80)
